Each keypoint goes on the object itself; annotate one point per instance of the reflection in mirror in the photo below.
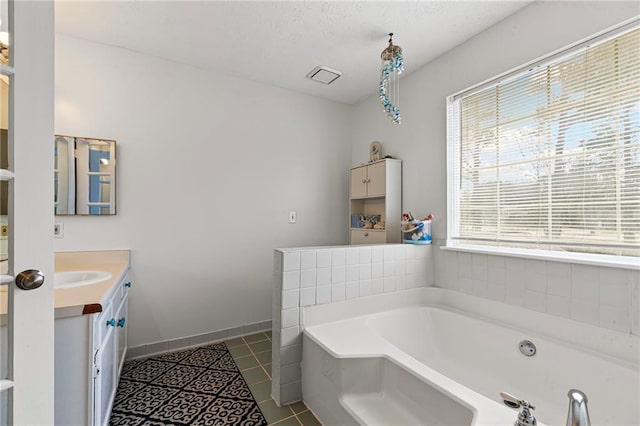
(4, 208)
(4, 164)
(64, 166)
(84, 176)
(4, 204)
(4, 355)
(4, 32)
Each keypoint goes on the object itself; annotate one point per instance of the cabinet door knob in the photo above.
(366, 234)
(111, 322)
(127, 284)
(121, 322)
(364, 181)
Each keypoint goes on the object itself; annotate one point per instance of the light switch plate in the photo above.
(292, 216)
(58, 230)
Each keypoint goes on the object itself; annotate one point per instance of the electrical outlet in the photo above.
(292, 216)
(58, 230)
(4, 230)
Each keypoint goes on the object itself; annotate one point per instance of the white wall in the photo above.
(420, 141)
(208, 168)
(609, 297)
(209, 165)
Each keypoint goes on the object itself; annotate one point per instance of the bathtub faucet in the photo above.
(525, 417)
(578, 414)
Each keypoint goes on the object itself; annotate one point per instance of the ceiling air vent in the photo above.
(323, 74)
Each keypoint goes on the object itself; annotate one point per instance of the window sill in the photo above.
(626, 262)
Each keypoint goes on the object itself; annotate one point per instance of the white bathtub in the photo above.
(445, 358)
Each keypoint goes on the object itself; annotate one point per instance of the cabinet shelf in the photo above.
(372, 197)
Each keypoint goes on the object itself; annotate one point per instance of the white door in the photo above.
(27, 315)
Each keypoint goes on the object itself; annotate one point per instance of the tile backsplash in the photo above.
(602, 296)
(314, 276)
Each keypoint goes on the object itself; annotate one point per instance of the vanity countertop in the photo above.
(88, 299)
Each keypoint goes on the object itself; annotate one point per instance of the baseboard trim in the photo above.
(156, 348)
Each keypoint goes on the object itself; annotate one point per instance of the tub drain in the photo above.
(527, 348)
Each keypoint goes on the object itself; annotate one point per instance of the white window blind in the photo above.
(550, 157)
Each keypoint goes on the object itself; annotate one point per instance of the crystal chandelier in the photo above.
(392, 67)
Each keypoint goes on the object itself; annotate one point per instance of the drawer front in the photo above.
(118, 293)
(367, 236)
(122, 290)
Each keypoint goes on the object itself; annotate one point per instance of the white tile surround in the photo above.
(319, 275)
(602, 296)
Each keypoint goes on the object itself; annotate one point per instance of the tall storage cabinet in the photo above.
(376, 189)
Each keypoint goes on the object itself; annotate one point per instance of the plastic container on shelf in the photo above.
(416, 232)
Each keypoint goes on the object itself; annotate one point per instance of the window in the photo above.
(548, 157)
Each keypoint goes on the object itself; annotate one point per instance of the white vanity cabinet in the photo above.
(89, 353)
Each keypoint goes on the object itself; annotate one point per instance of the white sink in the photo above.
(78, 278)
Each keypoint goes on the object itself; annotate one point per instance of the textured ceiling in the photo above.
(278, 43)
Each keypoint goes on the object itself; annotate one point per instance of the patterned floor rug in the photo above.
(199, 386)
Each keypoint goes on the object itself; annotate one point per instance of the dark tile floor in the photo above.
(195, 386)
(252, 355)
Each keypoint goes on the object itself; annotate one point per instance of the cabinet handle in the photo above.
(368, 180)
(111, 322)
(121, 322)
(364, 181)
(366, 234)
(128, 284)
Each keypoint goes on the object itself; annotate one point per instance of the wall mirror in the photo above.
(84, 176)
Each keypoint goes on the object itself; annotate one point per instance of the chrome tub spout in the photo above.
(578, 413)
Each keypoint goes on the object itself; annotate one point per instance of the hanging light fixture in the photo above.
(392, 67)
